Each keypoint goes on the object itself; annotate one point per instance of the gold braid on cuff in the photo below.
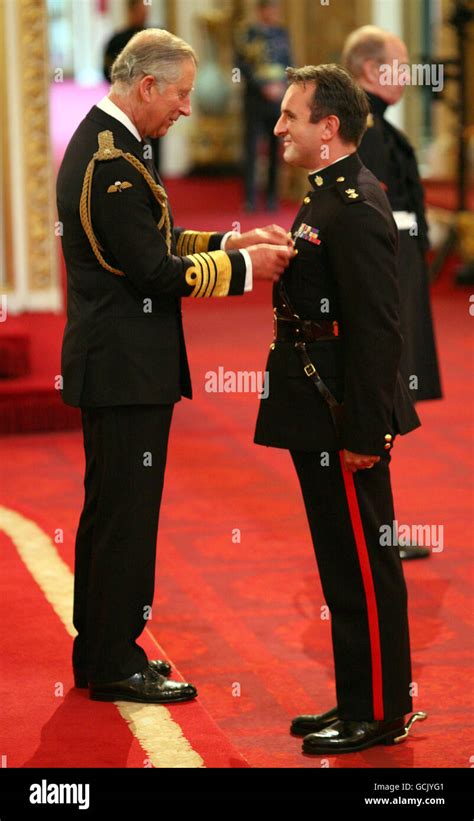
(107, 151)
(193, 242)
(210, 274)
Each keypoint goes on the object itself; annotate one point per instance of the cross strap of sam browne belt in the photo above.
(335, 407)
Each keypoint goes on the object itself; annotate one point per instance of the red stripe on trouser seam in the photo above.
(369, 589)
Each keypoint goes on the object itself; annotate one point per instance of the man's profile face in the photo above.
(301, 138)
(165, 108)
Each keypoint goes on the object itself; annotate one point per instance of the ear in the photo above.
(145, 87)
(370, 72)
(331, 127)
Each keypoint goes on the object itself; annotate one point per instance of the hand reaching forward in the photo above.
(269, 234)
(269, 261)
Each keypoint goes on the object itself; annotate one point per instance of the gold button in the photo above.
(388, 437)
(341, 179)
(319, 181)
(272, 346)
(387, 446)
(306, 200)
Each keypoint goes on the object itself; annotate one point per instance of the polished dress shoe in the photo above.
(413, 551)
(162, 667)
(147, 686)
(352, 736)
(302, 725)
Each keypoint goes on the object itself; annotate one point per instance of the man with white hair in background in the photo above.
(378, 60)
(124, 358)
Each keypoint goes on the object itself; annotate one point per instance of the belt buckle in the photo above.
(309, 369)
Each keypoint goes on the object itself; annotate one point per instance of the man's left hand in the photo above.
(269, 234)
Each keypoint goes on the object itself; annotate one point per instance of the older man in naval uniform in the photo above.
(124, 358)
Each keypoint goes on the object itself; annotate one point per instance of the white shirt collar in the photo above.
(109, 107)
(329, 166)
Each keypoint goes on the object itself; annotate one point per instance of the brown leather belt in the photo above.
(303, 330)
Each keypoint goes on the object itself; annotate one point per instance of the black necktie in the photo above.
(146, 149)
(147, 157)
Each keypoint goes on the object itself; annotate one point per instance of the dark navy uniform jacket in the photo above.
(345, 271)
(390, 156)
(386, 151)
(124, 343)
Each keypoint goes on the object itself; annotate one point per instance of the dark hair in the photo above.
(335, 93)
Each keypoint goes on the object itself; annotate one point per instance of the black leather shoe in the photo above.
(302, 725)
(147, 686)
(351, 736)
(413, 551)
(162, 667)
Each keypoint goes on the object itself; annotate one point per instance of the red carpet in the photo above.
(242, 619)
(48, 723)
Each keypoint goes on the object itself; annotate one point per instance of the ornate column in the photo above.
(28, 261)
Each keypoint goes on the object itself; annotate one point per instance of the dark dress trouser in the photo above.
(125, 449)
(362, 582)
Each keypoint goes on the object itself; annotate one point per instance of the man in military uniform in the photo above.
(337, 401)
(124, 358)
(263, 52)
(387, 152)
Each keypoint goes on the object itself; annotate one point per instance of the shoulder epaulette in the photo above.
(348, 192)
(108, 151)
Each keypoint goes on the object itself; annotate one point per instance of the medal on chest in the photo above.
(308, 233)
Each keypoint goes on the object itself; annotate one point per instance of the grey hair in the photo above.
(365, 43)
(152, 51)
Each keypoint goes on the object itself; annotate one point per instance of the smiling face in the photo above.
(155, 111)
(302, 140)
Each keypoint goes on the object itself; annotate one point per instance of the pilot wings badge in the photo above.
(119, 186)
